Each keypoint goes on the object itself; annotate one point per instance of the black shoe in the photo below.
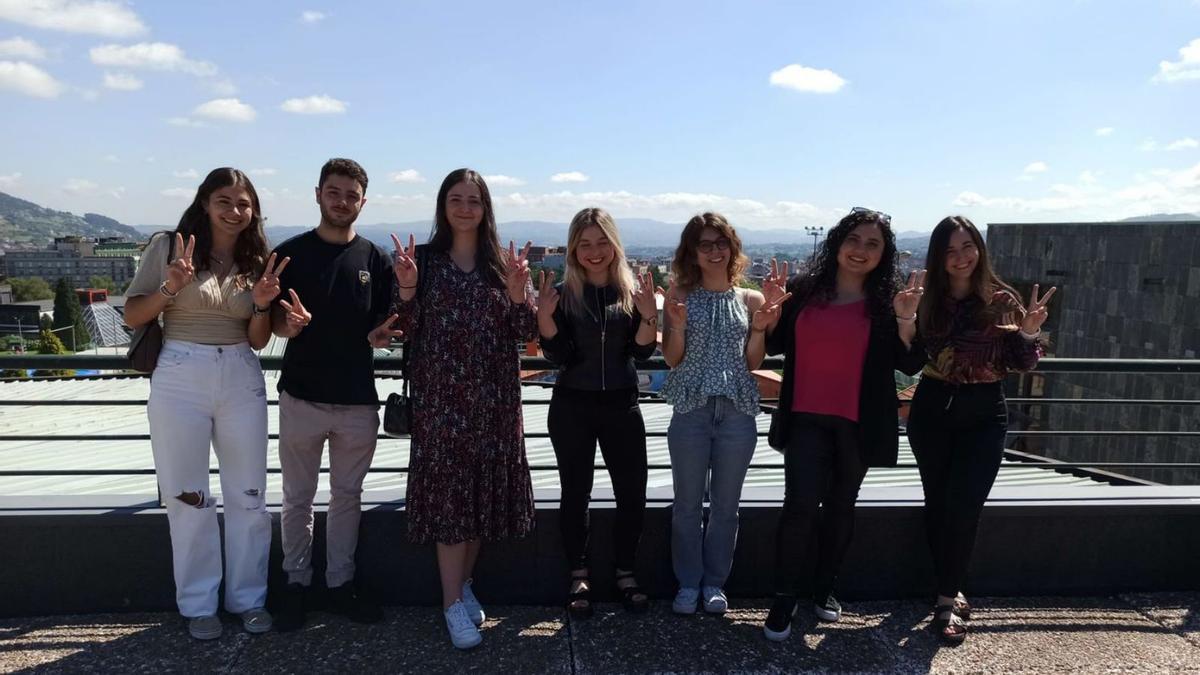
(347, 601)
(779, 622)
(827, 609)
(289, 608)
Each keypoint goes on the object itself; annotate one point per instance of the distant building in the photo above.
(1125, 290)
(538, 254)
(78, 259)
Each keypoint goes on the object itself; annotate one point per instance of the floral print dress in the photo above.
(468, 477)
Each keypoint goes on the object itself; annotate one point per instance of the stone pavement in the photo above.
(1127, 633)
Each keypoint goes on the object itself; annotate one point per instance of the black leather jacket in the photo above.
(595, 349)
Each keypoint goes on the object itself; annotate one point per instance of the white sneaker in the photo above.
(257, 620)
(205, 627)
(685, 601)
(715, 601)
(474, 609)
(463, 633)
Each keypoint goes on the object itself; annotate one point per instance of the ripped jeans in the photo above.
(202, 395)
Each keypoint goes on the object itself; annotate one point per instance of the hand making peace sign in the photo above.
(382, 335)
(518, 273)
(297, 316)
(675, 309)
(181, 272)
(547, 295)
(775, 284)
(1036, 313)
(767, 316)
(405, 264)
(644, 297)
(908, 299)
(266, 289)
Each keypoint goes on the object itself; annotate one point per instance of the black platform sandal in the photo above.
(951, 629)
(579, 603)
(961, 607)
(633, 598)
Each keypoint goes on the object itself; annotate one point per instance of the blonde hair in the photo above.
(686, 270)
(620, 277)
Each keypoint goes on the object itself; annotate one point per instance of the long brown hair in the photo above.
(620, 277)
(488, 256)
(250, 249)
(686, 269)
(934, 315)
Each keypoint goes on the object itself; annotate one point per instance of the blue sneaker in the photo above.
(471, 603)
(715, 601)
(686, 600)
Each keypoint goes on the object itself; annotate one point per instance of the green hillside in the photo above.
(24, 223)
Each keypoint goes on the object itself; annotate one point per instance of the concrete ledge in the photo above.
(59, 557)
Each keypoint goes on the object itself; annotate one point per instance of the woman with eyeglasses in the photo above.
(712, 434)
(846, 328)
(976, 331)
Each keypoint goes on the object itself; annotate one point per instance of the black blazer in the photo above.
(878, 428)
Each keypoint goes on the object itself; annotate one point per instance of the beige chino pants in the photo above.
(304, 427)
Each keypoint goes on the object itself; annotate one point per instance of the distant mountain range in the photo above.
(1161, 217)
(25, 224)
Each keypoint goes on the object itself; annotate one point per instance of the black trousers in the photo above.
(578, 420)
(823, 471)
(957, 435)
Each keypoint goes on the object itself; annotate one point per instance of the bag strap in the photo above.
(422, 255)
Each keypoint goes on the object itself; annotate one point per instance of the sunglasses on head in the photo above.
(706, 245)
(870, 214)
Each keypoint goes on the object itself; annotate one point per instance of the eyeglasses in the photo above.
(871, 214)
(706, 245)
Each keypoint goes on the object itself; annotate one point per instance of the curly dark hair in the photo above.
(820, 282)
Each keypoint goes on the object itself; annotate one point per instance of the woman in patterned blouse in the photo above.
(976, 331)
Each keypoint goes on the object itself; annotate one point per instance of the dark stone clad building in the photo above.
(1128, 290)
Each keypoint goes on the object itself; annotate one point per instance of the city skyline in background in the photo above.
(777, 114)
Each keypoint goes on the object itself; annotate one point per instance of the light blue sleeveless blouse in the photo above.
(714, 359)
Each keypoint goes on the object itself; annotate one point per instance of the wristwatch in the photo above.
(258, 311)
(650, 320)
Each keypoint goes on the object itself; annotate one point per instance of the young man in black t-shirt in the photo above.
(333, 308)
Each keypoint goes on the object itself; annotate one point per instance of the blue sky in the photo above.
(778, 114)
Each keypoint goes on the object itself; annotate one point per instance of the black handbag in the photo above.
(397, 409)
(147, 340)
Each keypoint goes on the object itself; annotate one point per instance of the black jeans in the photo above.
(577, 420)
(957, 435)
(823, 471)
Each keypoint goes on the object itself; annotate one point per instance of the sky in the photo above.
(777, 114)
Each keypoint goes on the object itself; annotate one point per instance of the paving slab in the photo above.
(1041, 635)
(1178, 611)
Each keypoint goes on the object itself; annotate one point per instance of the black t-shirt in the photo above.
(348, 290)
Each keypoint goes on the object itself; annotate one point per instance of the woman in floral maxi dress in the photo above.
(468, 478)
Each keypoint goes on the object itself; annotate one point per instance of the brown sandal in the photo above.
(951, 629)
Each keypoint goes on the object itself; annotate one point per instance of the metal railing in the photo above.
(392, 365)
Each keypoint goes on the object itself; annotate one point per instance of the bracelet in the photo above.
(259, 311)
(650, 320)
(906, 318)
(162, 288)
(1030, 336)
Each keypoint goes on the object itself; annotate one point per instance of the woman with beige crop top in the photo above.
(213, 285)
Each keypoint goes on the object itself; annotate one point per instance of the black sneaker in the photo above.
(347, 601)
(779, 622)
(828, 609)
(289, 608)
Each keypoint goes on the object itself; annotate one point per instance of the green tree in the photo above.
(48, 343)
(45, 323)
(104, 282)
(26, 289)
(67, 312)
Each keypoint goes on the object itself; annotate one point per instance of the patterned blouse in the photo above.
(970, 353)
(714, 358)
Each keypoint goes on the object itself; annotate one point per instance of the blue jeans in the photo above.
(711, 448)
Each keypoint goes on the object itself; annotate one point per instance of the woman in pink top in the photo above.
(848, 325)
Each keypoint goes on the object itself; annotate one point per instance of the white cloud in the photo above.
(224, 87)
(95, 17)
(186, 173)
(79, 186)
(178, 193)
(570, 177)
(185, 122)
(150, 56)
(1105, 131)
(500, 180)
(1088, 177)
(20, 48)
(1184, 144)
(9, 180)
(122, 82)
(312, 16)
(1186, 68)
(28, 79)
(406, 176)
(227, 109)
(1036, 167)
(803, 78)
(314, 105)
(670, 206)
(1148, 145)
(262, 172)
